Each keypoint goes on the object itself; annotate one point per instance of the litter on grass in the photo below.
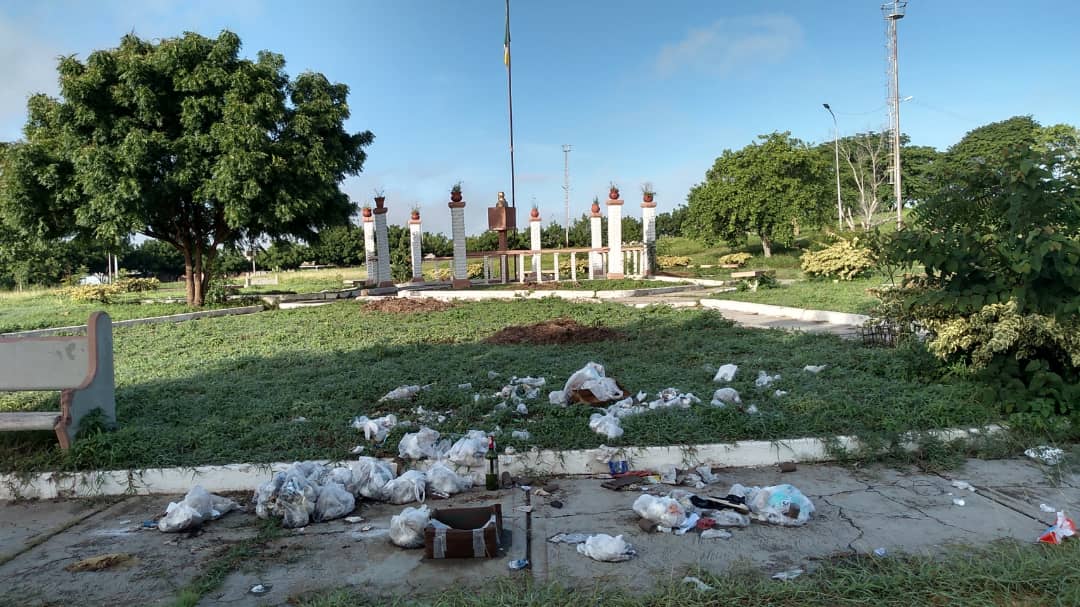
(375, 429)
(606, 424)
(725, 396)
(590, 385)
(419, 445)
(701, 586)
(786, 576)
(1062, 528)
(403, 392)
(815, 369)
(1051, 456)
(764, 379)
(725, 373)
(470, 449)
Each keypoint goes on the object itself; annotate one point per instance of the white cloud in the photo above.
(730, 44)
(27, 66)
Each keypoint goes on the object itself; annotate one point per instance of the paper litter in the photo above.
(726, 373)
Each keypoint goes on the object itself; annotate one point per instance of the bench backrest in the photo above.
(50, 363)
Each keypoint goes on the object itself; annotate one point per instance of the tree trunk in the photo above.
(766, 247)
(189, 277)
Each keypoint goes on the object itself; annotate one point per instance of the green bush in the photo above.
(844, 260)
(735, 259)
(582, 266)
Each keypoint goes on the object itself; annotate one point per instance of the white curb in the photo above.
(836, 318)
(536, 462)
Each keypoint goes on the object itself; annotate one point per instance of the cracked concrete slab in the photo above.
(856, 510)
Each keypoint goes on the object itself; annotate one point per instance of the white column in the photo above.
(382, 248)
(573, 267)
(556, 259)
(370, 259)
(457, 227)
(521, 267)
(596, 258)
(415, 240)
(614, 236)
(648, 228)
(534, 244)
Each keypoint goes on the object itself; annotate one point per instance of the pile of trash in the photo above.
(310, 492)
(681, 511)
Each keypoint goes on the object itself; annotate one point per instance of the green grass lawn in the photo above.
(45, 309)
(229, 389)
(587, 285)
(842, 296)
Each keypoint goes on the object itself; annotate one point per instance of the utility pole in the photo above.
(894, 12)
(566, 187)
(836, 151)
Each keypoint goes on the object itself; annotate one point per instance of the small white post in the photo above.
(457, 228)
(534, 243)
(371, 262)
(573, 267)
(415, 240)
(614, 233)
(596, 258)
(556, 267)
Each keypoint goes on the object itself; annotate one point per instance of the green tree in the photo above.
(185, 142)
(671, 223)
(770, 188)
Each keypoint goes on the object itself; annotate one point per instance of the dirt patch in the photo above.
(406, 305)
(556, 331)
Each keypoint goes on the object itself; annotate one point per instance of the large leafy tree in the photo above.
(184, 141)
(769, 188)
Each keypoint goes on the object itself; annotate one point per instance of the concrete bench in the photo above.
(80, 366)
(751, 274)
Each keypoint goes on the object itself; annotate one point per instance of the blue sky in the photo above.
(643, 90)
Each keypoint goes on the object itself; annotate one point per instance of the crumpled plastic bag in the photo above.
(725, 396)
(197, 506)
(418, 445)
(663, 511)
(815, 369)
(470, 449)
(266, 495)
(441, 479)
(375, 429)
(764, 379)
(725, 373)
(343, 475)
(407, 528)
(401, 393)
(608, 425)
(602, 547)
(591, 379)
(295, 502)
(670, 397)
(730, 518)
(778, 504)
(1051, 456)
(334, 501)
(409, 487)
(1062, 528)
(371, 476)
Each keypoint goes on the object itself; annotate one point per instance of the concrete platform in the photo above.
(857, 510)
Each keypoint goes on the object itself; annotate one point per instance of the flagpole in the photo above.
(510, 98)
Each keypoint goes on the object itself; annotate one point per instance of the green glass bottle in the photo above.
(492, 479)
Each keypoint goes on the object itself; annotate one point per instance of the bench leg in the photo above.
(64, 422)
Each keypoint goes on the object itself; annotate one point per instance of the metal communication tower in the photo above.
(566, 187)
(894, 12)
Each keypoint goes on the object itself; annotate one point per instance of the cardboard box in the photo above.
(464, 533)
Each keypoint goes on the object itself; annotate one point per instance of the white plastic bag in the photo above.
(418, 445)
(602, 547)
(764, 379)
(293, 503)
(470, 449)
(407, 528)
(815, 369)
(663, 511)
(371, 476)
(778, 504)
(725, 396)
(441, 479)
(343, 475)
(608, 425)
(197, 506)
(725, 373)
(409, 487)
(334, 502)
(401, 393)
(266, 496)
(730, 518)
(591, 378)
(375, 429)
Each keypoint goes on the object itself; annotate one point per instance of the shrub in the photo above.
(673, 261)
(582, 266)
(844, 260)
(137, 285)
(473, 270)
(735, 259)
(91, 293)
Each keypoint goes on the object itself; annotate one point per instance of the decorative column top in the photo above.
(366, 212)
(534, 215)
(414, 218)
(381, 211)
(595, 209)
(648, 204)
(614, 202)
(460, 204)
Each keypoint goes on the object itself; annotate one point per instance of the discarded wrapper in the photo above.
(1063, 528)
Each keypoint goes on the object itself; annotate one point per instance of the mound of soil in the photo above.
(551, 332)
(406, 305)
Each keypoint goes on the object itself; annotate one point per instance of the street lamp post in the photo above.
(836, 150)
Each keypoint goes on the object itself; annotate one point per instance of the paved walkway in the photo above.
(856, 511)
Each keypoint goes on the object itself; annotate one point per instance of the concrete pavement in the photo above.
(856, 510)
